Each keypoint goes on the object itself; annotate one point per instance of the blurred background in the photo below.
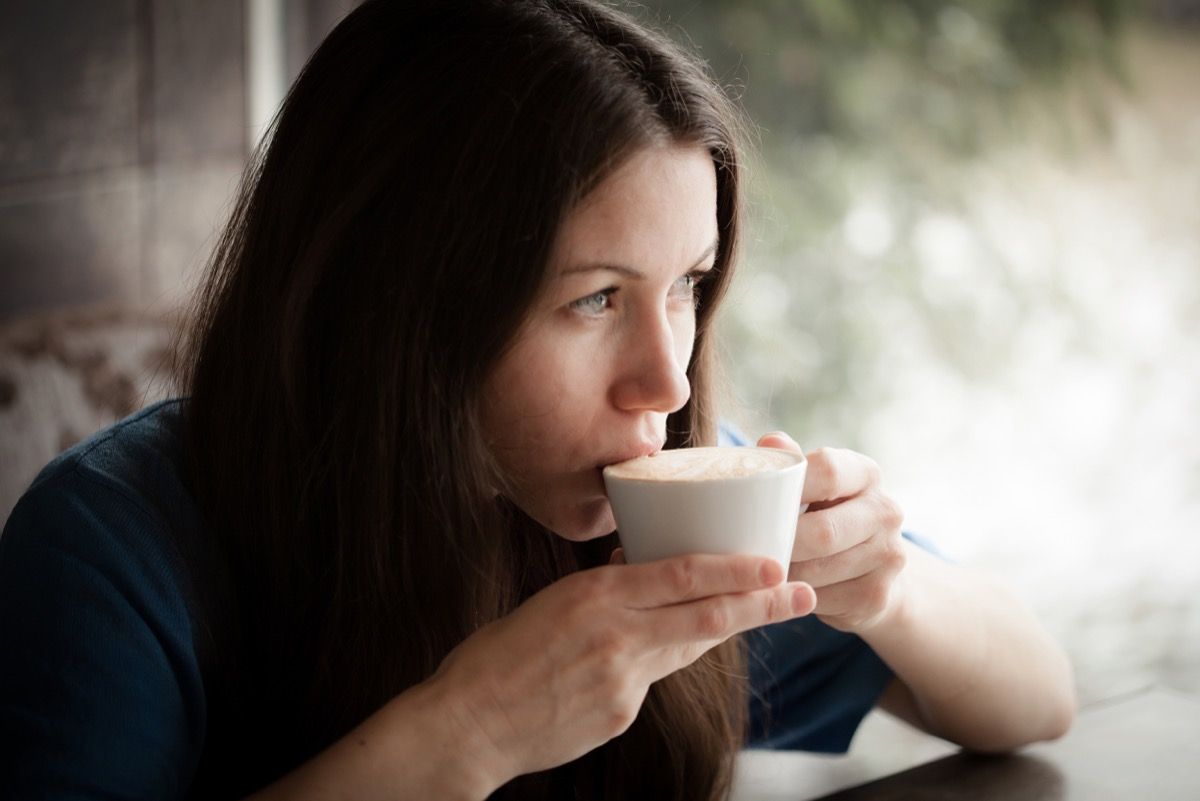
(974, 255)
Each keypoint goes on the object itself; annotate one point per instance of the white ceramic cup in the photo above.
(708, 500)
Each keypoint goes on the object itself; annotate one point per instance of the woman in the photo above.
(369, 554)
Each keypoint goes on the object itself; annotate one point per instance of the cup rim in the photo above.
(801, 461)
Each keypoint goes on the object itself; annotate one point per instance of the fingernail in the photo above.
(799, 599)
(783, 435)
(770, 573)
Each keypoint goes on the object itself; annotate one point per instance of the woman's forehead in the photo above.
(659, 204)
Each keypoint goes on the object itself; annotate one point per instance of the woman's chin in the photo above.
(587, 521)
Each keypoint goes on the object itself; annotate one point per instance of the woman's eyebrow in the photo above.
(629, 272)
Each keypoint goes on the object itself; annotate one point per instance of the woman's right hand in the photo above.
(568, 669)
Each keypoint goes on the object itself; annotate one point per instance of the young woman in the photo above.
(368, 553)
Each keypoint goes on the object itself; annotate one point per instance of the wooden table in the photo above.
(1141, 746)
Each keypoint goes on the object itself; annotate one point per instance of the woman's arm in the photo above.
(409, 749)
(973, 665)
(565, 672)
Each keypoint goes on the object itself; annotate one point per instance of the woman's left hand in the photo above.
(848, 544)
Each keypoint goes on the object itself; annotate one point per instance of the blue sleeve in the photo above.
(811, 686)
(100, 692)
(728, 435)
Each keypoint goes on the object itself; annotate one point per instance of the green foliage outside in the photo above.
(869, 116)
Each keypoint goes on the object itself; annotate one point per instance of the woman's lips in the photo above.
(633, 452)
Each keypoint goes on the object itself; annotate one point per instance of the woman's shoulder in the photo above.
(91, 584)
(729, 435)
(139, 457)
(108, 506)
(114, 502)
(132, 469)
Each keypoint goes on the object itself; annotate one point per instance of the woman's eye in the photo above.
(688, 286)
(594, 305)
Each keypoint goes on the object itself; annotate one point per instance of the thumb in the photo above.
(617, 557)
(779, 439)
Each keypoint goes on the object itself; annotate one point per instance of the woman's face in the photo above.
(602, 358)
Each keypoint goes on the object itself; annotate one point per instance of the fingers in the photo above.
(856, 604)
(832, 473)
(839, 528)
(884, 551)
(687, 578)
(835, 473)
(711, 620)
(779, 439)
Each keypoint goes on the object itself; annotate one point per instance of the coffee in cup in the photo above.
(707, 500)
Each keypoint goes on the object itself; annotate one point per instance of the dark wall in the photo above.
(123, 132)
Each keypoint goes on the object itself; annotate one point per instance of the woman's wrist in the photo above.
(467, 764)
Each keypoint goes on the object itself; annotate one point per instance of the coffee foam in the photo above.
(701, 464)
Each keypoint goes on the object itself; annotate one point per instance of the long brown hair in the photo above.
(381, 256)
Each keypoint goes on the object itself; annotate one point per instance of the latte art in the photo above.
(702, 464)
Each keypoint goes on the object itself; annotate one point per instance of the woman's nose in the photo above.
(653, 374)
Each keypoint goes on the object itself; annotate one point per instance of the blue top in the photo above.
(101, 690)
